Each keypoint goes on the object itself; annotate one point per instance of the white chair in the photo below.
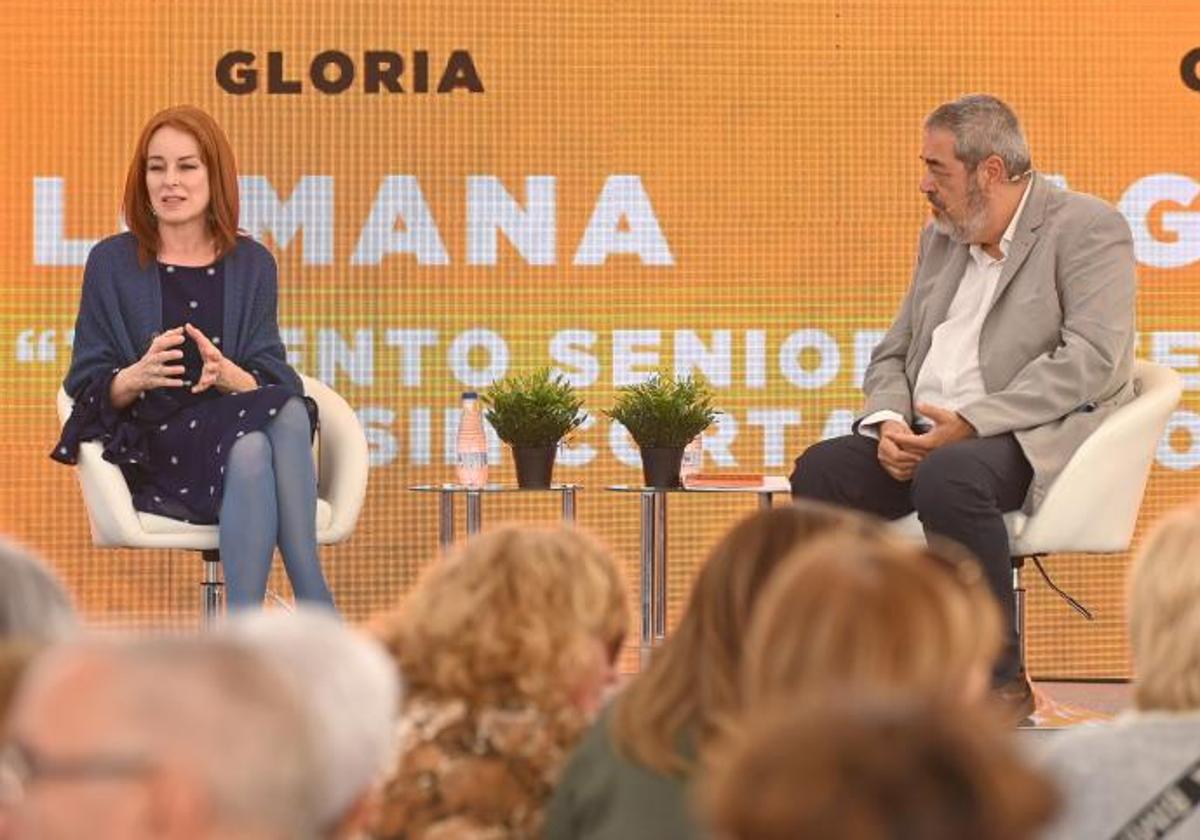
(342, 467)
(1092, 507)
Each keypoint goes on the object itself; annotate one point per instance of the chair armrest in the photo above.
(343, 469)
(111, 515)
(1093, 504)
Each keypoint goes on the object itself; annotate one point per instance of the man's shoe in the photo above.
(1016, 699)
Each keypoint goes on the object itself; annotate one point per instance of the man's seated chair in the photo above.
(1092, 507)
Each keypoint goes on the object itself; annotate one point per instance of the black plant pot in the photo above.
(535, 465)
(660, 465)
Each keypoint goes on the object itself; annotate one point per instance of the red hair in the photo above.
(218, 159)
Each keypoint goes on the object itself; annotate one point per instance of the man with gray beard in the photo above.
(1013, 343)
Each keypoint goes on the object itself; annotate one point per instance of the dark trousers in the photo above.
(960, 491)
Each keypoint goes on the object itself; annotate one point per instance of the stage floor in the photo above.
(1062, 704)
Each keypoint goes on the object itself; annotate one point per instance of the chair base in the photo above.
(1018, 563)
(212, 589)
(1018, 585)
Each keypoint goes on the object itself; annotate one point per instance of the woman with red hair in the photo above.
(178, 369)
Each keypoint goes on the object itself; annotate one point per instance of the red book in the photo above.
(721, 480)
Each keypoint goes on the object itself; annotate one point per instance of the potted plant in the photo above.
(662, 415)
(532, 413)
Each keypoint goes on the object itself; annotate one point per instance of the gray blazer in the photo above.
(1056, 349)
(120, 312)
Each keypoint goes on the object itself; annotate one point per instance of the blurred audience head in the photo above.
(158, 738)
(516, 614)
(350, 688)
(691, 682)
(884, 771)
(862, 617)
(34, 606)
(35, 612)
(15, 659)
(1164, 614)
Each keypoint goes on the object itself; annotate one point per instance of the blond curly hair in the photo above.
(1164, 615)
(509, 617)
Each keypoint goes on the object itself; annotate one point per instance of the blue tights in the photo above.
(270, 498)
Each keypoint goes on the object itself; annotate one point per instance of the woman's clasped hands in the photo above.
(213, 363)
(161, 367)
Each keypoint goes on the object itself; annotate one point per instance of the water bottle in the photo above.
(472, 465)
(693, 460)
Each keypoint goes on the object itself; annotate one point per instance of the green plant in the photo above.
(533, 410)
(664, 411)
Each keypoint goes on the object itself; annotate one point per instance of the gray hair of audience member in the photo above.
(350, 687)
(1164, 614)
(34, 605)
(983, 126)
(209, 712)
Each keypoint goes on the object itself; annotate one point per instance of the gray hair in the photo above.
(982, 126)
(350, 688)
(34, 606)
(209, 706)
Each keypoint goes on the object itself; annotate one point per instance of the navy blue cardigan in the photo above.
(120, 312)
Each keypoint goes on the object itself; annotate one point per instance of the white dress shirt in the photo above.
(949, 377)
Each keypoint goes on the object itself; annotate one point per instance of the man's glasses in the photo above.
(21, 767)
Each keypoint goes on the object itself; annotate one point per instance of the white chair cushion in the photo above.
(910, 526)
(154, 524)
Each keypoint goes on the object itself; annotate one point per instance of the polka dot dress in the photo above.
(189, 443)
(173, 445)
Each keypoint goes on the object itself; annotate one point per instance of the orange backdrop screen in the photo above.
(459, 191)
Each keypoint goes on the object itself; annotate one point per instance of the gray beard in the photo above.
(964, 232)
(955, 231)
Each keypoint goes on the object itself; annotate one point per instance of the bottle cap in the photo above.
(470, 395)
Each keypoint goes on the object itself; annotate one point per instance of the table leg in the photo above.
(568, 504)
(474, 511)
(647, 572)
(445, 518)
(765, 500)
(660, 569)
